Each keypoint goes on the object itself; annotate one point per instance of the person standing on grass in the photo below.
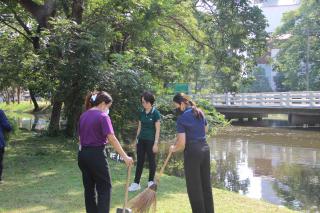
(147, 139)
(4, 126)
(191, 137)
(95, 131)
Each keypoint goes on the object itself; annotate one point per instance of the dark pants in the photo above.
(145, 147)
(1, 161)
(93, 164)
(197, 173)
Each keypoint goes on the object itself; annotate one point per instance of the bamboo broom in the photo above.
(125, 209)
(146, 199)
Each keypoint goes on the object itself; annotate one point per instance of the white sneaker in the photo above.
(134, 187)
(150, 183)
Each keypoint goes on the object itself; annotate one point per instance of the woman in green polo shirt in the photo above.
(147, 139)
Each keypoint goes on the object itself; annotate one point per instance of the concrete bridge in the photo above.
(301, 107)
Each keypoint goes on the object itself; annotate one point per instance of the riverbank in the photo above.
(41, 175)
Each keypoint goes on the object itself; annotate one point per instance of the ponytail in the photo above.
(95, 98)
(183, 98)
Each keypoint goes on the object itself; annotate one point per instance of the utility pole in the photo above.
(307, 60)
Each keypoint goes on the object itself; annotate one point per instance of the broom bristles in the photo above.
(143, 201)
(148, 198)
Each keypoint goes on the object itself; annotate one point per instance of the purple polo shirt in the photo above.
(94, 127)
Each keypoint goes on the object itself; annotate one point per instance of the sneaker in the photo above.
(134, 187)
(150, 183)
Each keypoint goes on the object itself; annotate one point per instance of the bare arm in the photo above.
(180, 143)
(117, 146)
(157, 124)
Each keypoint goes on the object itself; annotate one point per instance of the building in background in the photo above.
(273, 11)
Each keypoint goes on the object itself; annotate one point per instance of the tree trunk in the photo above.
(12, 94)
(34, 100)
(54, 125)
(74, 101)
(35, 123)
(73, 109)
(18, 94)
(7, 96)
(77, 10)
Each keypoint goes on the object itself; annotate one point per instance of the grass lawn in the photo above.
(25, 107)
(41, 175)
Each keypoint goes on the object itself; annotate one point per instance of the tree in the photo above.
(298, 58)
(236, 36)
(79, 46)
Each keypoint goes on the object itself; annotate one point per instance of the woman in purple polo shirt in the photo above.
(95, 131)
(191, 137)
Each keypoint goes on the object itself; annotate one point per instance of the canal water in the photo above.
(268, 160)
(279, 165)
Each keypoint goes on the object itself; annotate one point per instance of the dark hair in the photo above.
(183, 98)
(148, 97)
(95, 98)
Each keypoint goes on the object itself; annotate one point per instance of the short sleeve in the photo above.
(156, 116)
(106, 126)
(180, 126)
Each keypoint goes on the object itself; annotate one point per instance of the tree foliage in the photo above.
(71, 47)
(303, 28)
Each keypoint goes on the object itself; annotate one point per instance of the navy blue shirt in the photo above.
(194, 128)
(4, 126)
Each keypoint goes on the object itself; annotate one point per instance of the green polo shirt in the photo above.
(148, 127)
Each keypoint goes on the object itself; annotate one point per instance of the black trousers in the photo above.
(1, 161)
(145, 147)
(96, 179)
(197, 173)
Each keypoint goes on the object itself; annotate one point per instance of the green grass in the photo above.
(25, 107)
(41, 175)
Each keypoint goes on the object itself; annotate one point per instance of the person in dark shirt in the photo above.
(147, 139)
(191, 137)
(4, 126)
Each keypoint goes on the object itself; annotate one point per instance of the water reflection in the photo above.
(281, 166)
(32, 122)
(226, 175)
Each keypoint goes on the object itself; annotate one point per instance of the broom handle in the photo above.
(127, 190)
(164, 165)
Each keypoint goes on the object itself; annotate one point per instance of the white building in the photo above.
(273, 11)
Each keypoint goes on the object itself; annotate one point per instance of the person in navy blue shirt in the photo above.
(191, 137)
(4, 126)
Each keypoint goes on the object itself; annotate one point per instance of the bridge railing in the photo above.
(310, 99)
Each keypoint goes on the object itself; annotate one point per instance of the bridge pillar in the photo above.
(298, 119)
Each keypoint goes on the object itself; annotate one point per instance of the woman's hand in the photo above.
(155, 148)
(172, 148)
(128, 160)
